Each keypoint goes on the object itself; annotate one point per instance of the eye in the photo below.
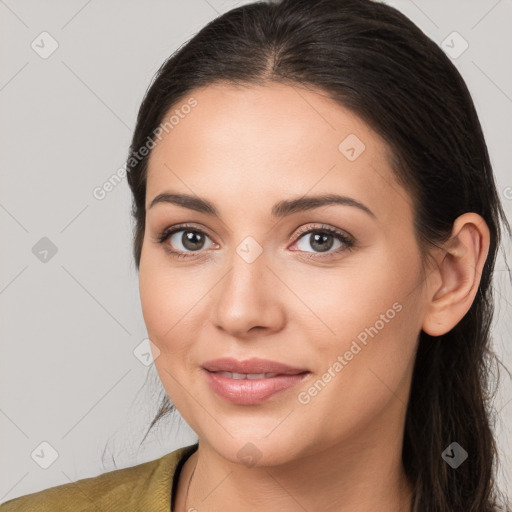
(182, 241)
(322, 239)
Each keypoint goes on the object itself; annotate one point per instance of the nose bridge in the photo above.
(247, 296)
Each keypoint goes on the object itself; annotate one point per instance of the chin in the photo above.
(253, 451)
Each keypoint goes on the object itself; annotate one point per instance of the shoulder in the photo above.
(146, 486)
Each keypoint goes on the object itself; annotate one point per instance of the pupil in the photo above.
(192, 240)
(324, 238)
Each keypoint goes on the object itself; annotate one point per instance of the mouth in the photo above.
(250, 382)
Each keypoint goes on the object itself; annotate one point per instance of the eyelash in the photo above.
(346, 240)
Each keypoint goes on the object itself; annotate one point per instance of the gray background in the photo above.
(70, 323)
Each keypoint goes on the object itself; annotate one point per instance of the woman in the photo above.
(316, 229)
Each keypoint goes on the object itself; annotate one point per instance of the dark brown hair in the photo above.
(373, 60)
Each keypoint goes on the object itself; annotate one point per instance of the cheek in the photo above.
(169, 300)
(373, 296)
(365, 363)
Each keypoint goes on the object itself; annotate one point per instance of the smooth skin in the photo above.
(245, 149)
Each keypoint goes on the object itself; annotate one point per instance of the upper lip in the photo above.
(254, 365)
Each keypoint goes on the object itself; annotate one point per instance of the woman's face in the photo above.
(251, 284)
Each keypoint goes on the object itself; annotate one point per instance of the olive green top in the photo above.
(147, 487)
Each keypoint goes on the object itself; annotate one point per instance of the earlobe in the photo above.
(459, 267)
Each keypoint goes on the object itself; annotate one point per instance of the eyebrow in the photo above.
(279, 210)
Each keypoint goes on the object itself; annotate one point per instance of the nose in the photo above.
(249, 299)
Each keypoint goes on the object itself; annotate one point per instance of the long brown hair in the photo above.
(373, 60)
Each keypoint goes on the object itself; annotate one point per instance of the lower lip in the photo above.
(251, 391)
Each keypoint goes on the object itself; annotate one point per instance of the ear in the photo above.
(454, 283)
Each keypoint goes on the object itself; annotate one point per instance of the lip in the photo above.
(250, 391)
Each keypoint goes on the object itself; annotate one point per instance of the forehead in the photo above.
(270, 142)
